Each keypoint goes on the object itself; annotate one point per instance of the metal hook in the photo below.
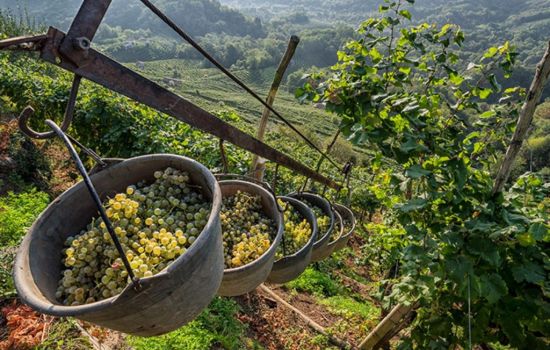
(67, 118)
(224, 157)
(29, 111)
(275, 176)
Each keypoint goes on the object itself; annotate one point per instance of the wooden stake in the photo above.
(255, 167)
(524, 121)
(314, 325)
(390, 322)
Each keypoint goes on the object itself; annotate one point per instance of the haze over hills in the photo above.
(252, 34)
(524, 22)
(199, 17)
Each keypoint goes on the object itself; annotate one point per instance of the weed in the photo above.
(349, 307)
(315, 282)
(7, 288)
(17, 212)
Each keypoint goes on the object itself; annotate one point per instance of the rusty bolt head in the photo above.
(82, 43)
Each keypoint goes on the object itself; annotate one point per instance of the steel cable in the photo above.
(193, 43)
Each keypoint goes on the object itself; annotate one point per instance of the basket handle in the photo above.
(67, 118)
(59, 132)
(320, 195)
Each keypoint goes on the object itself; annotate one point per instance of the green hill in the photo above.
(197, 16)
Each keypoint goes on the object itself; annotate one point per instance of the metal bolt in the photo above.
(82, 43)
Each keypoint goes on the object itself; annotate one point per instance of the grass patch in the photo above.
(17, 213)
(216, 325)
(315, 282)
(349, 307)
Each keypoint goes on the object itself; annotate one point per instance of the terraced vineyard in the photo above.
(210, 89)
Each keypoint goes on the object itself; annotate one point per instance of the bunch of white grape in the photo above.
(297, 231)
(247, 232)
(323, 221)
(154, 223)
(347, 225)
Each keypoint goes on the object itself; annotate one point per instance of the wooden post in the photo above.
(389, 323)
(257, 167)
(524, 121)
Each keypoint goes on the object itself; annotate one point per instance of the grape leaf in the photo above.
(493, 287)
(528, 272)
(538, 231)
(416, 171)
(414, 204)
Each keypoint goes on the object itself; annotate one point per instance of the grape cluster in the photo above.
(247, 232)
(297, 231)
(154, 223)
(323, 221)
(347, 225)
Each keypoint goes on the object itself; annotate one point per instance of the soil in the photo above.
(64, 173)
(277, 327)
(103, 338)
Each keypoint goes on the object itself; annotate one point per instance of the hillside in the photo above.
(210, 89)
(526, 23)
(421, 247)
(198, 17)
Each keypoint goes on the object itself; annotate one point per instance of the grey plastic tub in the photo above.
(291, 266)
(347, 215)
(167, 300)
(244, 279)
(320, 247)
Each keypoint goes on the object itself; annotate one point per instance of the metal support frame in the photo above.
(73, 53)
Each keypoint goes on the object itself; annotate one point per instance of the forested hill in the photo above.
(252, 34)
(198, 17)
(526, 23)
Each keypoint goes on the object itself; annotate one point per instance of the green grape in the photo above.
(144, 220)
(247, 232)
(297, 231)
(323, 221)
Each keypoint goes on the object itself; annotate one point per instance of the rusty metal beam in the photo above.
(83, 29)
(114, 76)
(30, 42)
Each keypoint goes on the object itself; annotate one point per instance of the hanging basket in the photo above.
(291, 266)
(320, 247)
(349, 218)
(167, 300)
(327, 250)
(244, 279)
